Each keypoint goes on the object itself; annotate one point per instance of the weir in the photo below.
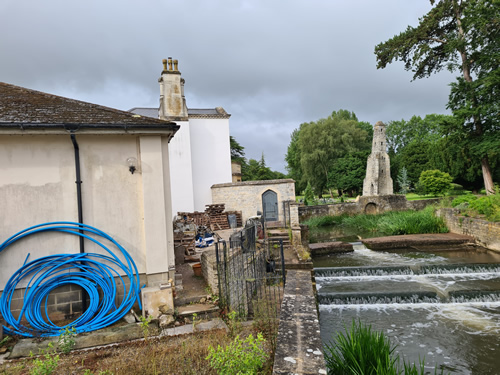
(444, 307)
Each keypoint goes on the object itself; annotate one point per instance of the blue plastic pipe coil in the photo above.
(97, 274)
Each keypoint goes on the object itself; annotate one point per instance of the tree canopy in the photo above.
(317, 146)
(464, 36)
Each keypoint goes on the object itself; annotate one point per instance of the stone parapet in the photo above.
(299, 349)
(365, 205)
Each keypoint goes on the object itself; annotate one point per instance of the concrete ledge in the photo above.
(330, 248)
(299, 348)
(420, 240)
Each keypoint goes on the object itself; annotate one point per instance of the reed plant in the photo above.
(411, 222)
(361, 351)
(389, 223)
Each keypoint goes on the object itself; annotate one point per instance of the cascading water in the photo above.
(442, 306)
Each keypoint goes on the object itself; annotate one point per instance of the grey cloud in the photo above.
(271, 64)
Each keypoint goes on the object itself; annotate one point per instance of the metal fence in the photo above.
(251, 275)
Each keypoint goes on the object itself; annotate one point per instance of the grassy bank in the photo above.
(388, 223)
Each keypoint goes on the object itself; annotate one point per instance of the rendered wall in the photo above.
(37, 185)
(247, 196)
(210, 157)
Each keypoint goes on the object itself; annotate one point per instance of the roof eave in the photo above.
(65, 128)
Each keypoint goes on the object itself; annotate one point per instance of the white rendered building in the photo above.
(199, 153)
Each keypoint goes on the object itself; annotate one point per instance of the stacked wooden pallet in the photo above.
(199, 218)
(218, 218)
(214, 217)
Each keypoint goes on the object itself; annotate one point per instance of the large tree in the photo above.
(323, 142)
(294, 166)
(460, 35)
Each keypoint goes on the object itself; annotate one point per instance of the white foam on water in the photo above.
(390, 307)
(472, 319)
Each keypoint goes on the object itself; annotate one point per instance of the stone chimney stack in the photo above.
(378, 179)
(172, 101)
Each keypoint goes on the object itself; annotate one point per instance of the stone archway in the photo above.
(371, 209)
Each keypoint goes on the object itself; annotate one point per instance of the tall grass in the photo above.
(389, 223)
(361, 351)
(412, 222)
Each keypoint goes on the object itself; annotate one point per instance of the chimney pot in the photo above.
(164, 64)
(176, 62)
(169, 63)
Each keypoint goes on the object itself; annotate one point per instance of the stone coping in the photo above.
(299, 349)
(250, 183)
(412, 240)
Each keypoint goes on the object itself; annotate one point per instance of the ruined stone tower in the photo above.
(378, 179)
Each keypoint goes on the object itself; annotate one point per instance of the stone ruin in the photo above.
(378, 179)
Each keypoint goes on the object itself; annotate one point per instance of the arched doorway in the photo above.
(270, 205)
(371, 208)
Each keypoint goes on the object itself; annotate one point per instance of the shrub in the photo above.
(463, 199)
(67, 339)
(435, 182)
(488, 205)
(456, 189)
(48, 364)
(241, 357)
(308, 195)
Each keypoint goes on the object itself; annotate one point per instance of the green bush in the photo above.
(435, 182)
(456, 189)
(308, 195)
(241, 357)
(468, 198)
(488, 205)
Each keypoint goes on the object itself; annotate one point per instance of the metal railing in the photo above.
(251, 277)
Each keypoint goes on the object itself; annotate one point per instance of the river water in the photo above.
(442, 306)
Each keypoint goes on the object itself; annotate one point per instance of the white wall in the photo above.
(211, 157)
(181, 174)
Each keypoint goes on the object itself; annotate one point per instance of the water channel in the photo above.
(442, 306)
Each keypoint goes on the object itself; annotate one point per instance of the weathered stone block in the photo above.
(153, 298)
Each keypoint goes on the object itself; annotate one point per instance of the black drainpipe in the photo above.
(79, 203)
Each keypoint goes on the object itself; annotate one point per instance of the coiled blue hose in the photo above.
(95, 273)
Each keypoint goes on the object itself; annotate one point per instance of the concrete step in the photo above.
(203, 311)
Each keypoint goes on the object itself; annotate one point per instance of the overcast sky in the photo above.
(271, 64)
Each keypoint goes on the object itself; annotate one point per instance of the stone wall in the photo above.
(486, 233)
(66, 301)
(365, 205)
(247, 196)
